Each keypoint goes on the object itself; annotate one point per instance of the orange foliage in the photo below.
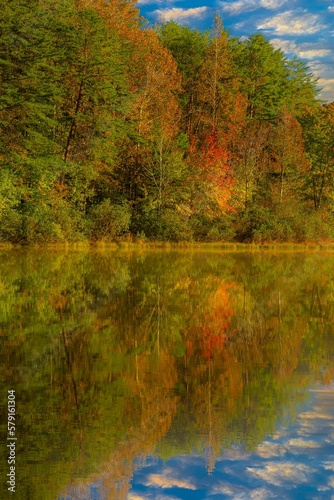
(156, 81)
(211, 333)
(213, 170)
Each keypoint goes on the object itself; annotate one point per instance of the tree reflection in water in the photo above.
(122, 355)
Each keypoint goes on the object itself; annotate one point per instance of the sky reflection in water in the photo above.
(296, 463)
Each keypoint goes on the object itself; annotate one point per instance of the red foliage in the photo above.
(214, 153)
(215, 168)
(210, 336)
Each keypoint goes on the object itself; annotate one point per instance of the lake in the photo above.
(168, 374)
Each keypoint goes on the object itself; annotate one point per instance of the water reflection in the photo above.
(294, 463)
(130, 364)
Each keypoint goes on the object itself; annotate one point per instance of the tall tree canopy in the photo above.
(113, 129)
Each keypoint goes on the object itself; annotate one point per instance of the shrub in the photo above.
(109, 221)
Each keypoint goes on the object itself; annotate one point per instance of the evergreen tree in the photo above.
(264, 77)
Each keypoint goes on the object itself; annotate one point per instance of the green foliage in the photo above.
(302, 88)
(218, 229)
(109, 221)
(318, 128)
(264, 77)
(9, 202)
(188, 48)
(174, 227)
(105, 129)
(255, 223)
(318, 226)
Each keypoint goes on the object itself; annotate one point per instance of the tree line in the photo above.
(111, 128)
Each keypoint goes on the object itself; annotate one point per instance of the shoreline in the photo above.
(165, 245)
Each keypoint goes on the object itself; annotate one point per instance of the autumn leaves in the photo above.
(112, 130)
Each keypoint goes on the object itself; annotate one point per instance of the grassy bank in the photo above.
(102, 245)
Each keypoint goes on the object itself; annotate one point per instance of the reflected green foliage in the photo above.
(122, 354)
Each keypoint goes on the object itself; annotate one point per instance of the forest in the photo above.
(112, 129)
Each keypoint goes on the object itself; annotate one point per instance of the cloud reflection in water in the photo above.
(296, 463)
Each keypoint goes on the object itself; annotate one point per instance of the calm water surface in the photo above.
(169, 374)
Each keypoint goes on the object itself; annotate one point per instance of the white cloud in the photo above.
(241, 6)
(133, 496)
(323, 488)
(311, 415)
(178, 14)
(302, 443)
(267, 450)
(293, 23)
(155, 2)
(261, 494)
(147, 2)
(305, 51)
(272, 4)
(278, 473)
(328, 466)
(165, 481)
(280, 433)
(331, 8)
(239, 492)
(312, 53)
(225, 488)
(327, 85)
(234, 454)
(150, 496)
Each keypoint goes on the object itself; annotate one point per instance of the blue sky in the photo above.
(296, 463)
(304, 28)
